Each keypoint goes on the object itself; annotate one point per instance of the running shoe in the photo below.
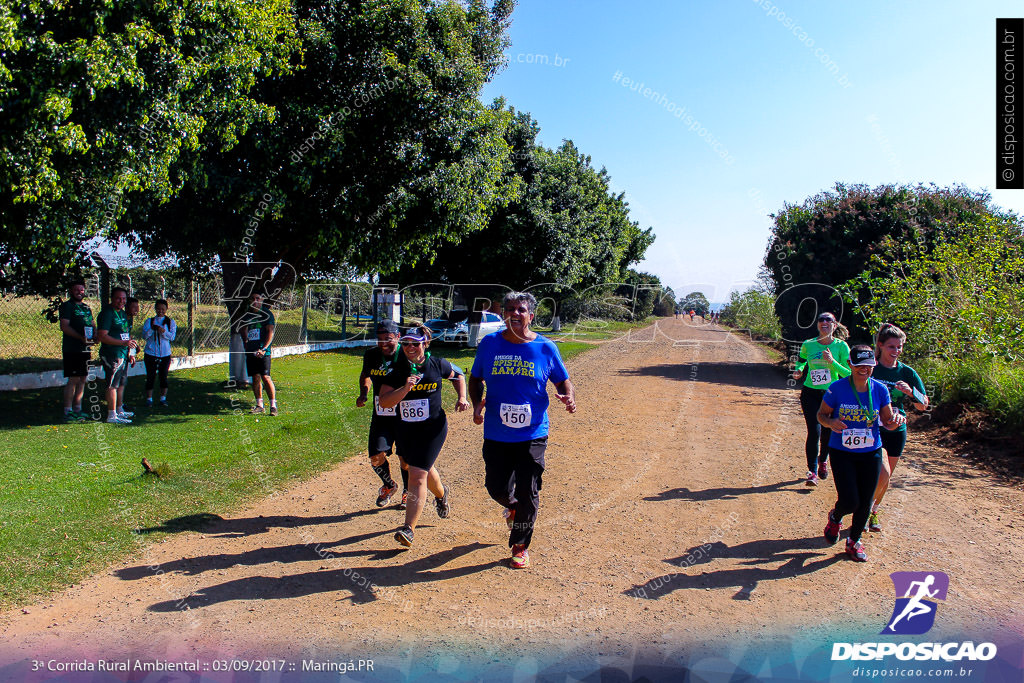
(443, 507)
(149, 403)
(118, 420)
(273, 411)
(856, 551)
(80, 415)
(72, 417)
(510, 517)
(405, 500)
(258, 410)
(873, 524)
(385, 493)
(125, 413)
(404, 536)
(163, 403)
(812, 479)
(832, 528)
(520, 557)
(823, 470)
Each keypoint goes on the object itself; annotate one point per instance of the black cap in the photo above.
(862, 357)
(387, 327)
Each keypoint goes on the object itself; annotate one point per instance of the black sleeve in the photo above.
(367, 365)
(445, 368)
(396, 378)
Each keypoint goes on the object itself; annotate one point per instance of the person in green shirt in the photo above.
(78, 330)
(258, 333)
(114, 335)
(905, 386)
(822, 361)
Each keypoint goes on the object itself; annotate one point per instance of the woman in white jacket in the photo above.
(158, 331)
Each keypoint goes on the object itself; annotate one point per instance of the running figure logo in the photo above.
(916, 593)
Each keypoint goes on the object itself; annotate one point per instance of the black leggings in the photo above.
(155, 364)
(855, 475)
(816, 447)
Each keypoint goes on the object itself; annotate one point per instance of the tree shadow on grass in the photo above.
(795, 554)
(748, 375)
(187, 399)
(727, 493)
(356, 580)
(212, 524)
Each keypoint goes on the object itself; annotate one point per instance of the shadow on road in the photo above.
(795, 554)
(727, 493)
(210, 523)
(356, 580)
(749, 375)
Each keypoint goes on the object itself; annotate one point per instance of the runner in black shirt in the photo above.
(377, 363)
(79, 330)
(414, 387)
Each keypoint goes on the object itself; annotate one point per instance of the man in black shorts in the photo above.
(377, 363)
(259, 335)
(78, 330)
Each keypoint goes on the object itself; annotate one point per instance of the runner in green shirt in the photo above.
(905, 386)
(114, 334)
(822, 361)
(78, 330)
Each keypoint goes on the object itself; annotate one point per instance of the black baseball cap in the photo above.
(387, 327)
(862, 356)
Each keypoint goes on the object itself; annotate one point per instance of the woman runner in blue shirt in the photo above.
(849, 411)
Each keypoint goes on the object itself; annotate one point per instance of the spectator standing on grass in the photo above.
(822, 361)
(414, 388)
(79, 330)
(851, 410)
(514, 366)
(158, 331)
(905, 386)
(113, 331)
(259, 337)
(377, 363)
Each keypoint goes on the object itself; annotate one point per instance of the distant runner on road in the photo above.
(515, 366)
(377, 363)
(823, 360)
(904, 385)
(849, 411)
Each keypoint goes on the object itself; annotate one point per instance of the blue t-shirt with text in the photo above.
(516, 376)
(841, 398)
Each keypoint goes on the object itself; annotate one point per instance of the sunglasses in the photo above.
(411, 343)
(826, 319)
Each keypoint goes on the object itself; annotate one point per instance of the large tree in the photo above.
(381, 150)
(100, 99)
(831, 237)
(565, 226)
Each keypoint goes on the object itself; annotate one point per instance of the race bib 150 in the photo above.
(416, 410)
(515, 416)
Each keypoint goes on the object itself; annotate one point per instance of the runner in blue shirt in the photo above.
(851, 409)
(515, 365)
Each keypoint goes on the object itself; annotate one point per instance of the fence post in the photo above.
(303, 329)
(344, 310)
(191, 317)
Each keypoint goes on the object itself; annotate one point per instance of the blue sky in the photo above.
(785, 99)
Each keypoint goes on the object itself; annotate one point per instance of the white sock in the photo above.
(273, 404)
(259, 402)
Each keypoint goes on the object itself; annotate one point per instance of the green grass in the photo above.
(75, 498)
(994, 386)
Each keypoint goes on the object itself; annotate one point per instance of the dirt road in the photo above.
(673, 514)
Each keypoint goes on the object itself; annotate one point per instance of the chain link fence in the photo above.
(306, 313)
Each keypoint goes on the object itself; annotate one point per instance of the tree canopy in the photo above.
(100, 100)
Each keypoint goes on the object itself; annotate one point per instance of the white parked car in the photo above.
(459, 332)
